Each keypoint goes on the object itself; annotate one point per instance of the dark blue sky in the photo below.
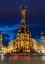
(10, 17)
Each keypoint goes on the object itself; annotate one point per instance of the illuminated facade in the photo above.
(10, 46)
(4, 49)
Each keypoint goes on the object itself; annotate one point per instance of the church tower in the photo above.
(0, 40)
(42, 36)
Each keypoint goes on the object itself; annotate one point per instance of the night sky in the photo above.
(10, 17)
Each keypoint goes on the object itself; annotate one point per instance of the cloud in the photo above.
(9, 33)
(7, 28)
(32, 25)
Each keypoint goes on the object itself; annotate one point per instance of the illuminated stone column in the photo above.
(23, 12)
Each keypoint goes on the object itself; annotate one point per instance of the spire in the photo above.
(23, 11)
(42, 34)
